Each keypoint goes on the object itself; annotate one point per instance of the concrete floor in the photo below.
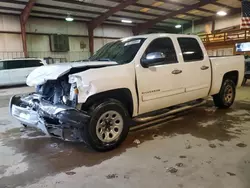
(202, 148)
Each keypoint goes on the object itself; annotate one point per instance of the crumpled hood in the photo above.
(42, 74)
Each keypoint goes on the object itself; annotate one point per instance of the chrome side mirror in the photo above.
(152, 59)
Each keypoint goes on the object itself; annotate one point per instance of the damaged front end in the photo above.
(52, 109)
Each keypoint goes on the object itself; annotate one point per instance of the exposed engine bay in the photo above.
(58, 92)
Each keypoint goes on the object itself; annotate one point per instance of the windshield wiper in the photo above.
(103, 59)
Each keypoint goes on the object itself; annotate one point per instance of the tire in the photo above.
(225, 98)
(108, 126)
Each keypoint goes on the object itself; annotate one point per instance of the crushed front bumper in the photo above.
(60, 121)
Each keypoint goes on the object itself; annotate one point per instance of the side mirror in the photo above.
(152, 59)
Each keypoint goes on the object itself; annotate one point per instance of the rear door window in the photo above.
(33, 63)
(191, 49)
(15, 64)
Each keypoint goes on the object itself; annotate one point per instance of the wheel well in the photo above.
(123, 95)
(233, 75)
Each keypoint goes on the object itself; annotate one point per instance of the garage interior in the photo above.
(203, 147)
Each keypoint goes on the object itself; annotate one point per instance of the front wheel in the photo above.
(225, 98)
(108, 126)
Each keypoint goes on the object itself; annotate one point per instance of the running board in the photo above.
(171, 112)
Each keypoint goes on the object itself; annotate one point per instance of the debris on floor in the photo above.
(112, 176)
(183, 156)
(172, 170)
(212, 145)
(157, 157)
(136, 141)
(241, 145)
(179, 164)
(70, 173)
(231, 174)
(155, 135)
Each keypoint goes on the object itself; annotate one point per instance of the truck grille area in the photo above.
(53, 91)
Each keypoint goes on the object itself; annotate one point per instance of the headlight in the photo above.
(74, 79)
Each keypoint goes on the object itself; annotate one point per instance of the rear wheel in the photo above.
(225, 98)
(108, 125)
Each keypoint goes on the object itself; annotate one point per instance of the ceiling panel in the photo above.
(12, 5)
(232, 3)
(200, 13)
(166, 24)
(214, 8)
(134, 15)
(187, 17)
(71, 5)
(187, 2)
(64, 12)
(54, 16)
(99, 2)
(137, 8)
(175, 21)
(119, 19)
(9, 12)
(124, 24)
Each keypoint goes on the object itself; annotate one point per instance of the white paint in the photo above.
(17, 75)
(157, 87)
(51, 72)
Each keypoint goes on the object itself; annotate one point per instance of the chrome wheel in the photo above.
(229, 94)
(109, 126)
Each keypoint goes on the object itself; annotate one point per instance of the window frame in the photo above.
(203, 55)
(165, 37)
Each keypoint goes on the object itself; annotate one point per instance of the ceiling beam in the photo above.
(26, 11)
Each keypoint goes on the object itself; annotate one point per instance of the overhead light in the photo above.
(178, 26)
(126, 21)
(221, 13)
(69, 18)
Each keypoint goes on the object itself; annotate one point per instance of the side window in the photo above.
(191, 49)
(33, 63)
(15, 64)
(165, 46)
(1, 65)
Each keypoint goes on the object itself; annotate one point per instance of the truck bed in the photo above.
(222, 65)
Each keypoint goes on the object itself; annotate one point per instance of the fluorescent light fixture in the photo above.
(221, 13)
(178, 26)
(69, 18)
(126, 21)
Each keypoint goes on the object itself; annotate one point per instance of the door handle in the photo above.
(204, 67)
(176, 71)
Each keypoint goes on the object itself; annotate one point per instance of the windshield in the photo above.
(119, 51)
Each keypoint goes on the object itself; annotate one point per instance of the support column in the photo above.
(23, 20)
(23, 33)
(213, 26)
(91, 40)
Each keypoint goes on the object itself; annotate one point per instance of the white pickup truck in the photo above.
(139, 78)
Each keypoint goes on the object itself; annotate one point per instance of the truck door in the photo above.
(196, 68)
(159, 76)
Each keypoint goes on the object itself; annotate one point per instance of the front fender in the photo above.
(100, 80)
